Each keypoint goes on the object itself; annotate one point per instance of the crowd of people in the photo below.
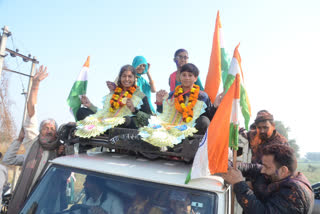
(269, 184)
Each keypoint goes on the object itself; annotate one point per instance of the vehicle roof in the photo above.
(158, 171)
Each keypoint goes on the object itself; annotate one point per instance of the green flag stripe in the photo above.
(78, 88)
(244, 106)
(234, 136)
(225, 62)
(229, 80)
(188, 178)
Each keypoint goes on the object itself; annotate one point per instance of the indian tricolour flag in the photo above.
(79, 88)
(219, 63)
(212, 154)
(235, 68)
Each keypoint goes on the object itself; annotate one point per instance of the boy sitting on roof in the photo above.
(185, 111)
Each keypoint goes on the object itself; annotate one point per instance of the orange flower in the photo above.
(116, 100)
(188, 119)
(118, 90)
(179, 102)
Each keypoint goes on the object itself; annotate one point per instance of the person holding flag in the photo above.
(286, 190)
(125, 107)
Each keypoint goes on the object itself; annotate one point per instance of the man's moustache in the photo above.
(263, 136)
(47, 138)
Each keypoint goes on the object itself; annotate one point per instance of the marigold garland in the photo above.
(116, 100)
(179, 102)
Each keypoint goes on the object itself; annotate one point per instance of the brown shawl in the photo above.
(29, 169)
(257, 144)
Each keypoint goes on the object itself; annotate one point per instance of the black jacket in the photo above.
(290, 195)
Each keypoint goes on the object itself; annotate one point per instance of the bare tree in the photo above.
(7, 126)
(282, 129)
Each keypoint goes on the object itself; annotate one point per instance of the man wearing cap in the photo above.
(264, 134)
(40, 147)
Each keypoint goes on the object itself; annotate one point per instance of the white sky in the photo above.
(279, 50)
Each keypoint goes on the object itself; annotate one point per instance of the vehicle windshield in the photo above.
(66, 190)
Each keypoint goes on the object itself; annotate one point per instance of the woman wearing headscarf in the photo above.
(143, 67)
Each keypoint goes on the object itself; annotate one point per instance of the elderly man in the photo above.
(39, 147)
(264, 134)
(285, 191)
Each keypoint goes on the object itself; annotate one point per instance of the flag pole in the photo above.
(234, 153)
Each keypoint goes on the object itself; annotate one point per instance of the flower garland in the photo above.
(179, 102)
(117, 100)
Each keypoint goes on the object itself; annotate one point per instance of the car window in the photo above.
(66, 190)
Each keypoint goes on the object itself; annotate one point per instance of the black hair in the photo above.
(253, 126)
(179, 51)
(98, 181)
(127, 68)
(283, 155)
(189, 67)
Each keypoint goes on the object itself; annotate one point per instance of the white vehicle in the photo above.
(127, 184)
(125, 176)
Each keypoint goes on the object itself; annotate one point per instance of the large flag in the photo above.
(212, 154)
(79, 88)
(219, 63)
(235, 68)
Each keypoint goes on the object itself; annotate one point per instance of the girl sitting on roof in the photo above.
(185, 111)
(125, 107)
(180, 58)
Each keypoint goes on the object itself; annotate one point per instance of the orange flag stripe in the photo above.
(218, 133)
(236, 55)
(214, 74)
(86, 64)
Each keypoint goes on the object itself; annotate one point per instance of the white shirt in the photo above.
(31, 132)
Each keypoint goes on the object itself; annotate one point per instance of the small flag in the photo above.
(235, 68)
(79, 88)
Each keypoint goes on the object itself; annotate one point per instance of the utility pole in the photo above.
(33, 68)
(5, 34)
(16, 171)
(28, 58)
